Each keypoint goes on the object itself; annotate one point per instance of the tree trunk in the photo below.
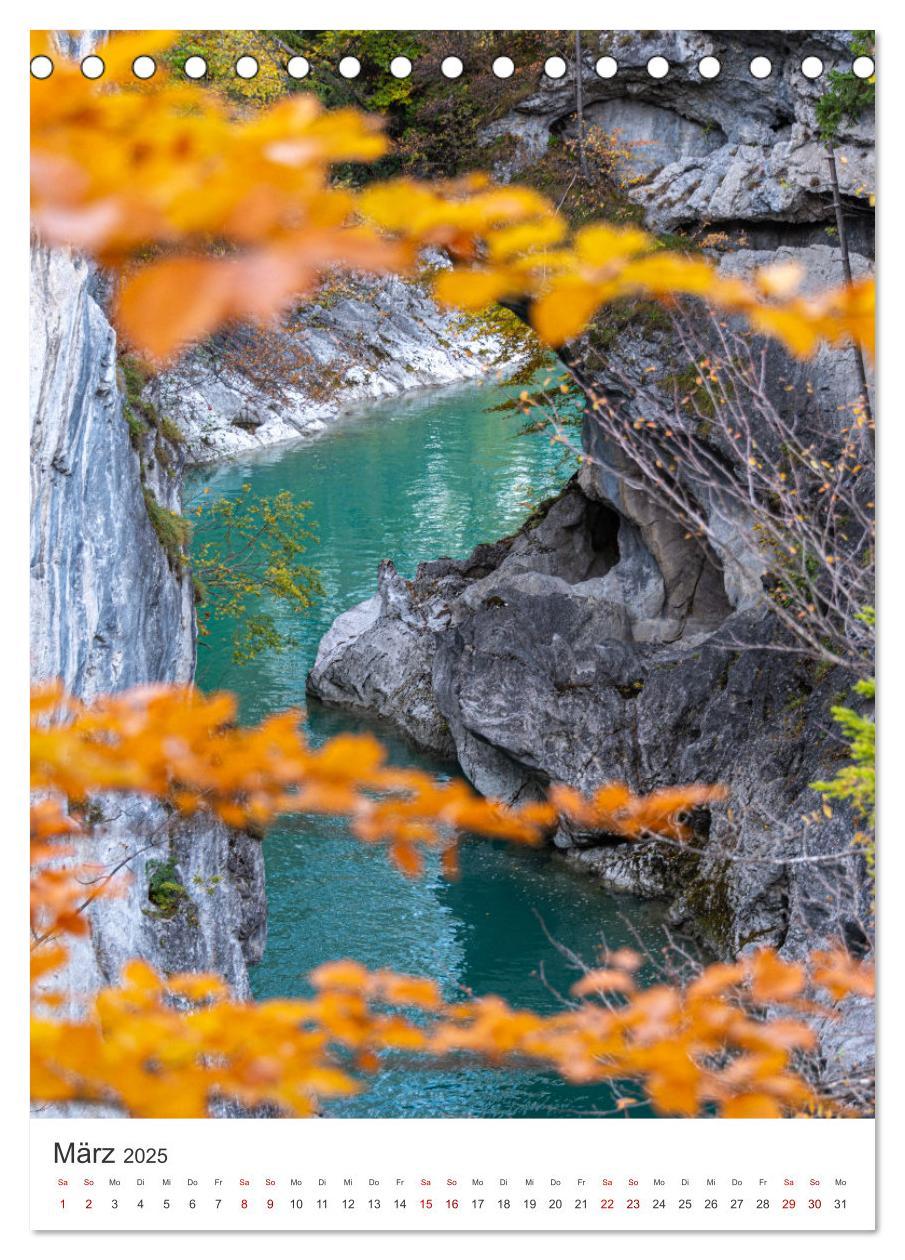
(847, 275)
(579, 109)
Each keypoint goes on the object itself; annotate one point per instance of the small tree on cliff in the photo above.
(249, 564)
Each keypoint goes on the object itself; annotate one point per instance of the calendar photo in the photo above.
(452, 626)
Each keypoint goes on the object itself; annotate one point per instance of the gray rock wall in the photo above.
(109, 612)
(728, 150)
(556, 657)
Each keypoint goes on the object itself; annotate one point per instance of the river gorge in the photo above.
(430, 474)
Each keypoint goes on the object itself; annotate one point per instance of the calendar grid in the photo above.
(449, 1174)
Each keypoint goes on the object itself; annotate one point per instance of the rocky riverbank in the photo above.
(555, 656)
(362, 339)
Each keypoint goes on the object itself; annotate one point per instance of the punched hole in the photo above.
(92, 67)
(246, 67)
(195, 67)
(144, 67)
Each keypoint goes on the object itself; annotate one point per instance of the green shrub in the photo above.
(165, 892)
(847, 96)
(855, 783)
(171, 431)
(249, 555)
(172, 530)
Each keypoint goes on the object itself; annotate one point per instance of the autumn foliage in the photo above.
(187, 749)
(173, 1046)
(613, 810)
(209, 216)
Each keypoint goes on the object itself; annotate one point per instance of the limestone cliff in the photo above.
(728, 151)
(110, 610)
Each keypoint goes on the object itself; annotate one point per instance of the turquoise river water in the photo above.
(412, 479)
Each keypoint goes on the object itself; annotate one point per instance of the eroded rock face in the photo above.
(373, 339)
(108, 612)
(558, 656)
(658, 136)
(722, 151)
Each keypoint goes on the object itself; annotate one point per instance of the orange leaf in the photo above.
(751, 1107)
(601, 981)
(773, 980)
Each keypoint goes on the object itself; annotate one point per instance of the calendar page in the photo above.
(452, 630)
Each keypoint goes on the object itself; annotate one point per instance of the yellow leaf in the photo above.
(564, 312)
(600, 244)
(471, 290)
(506, 242)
